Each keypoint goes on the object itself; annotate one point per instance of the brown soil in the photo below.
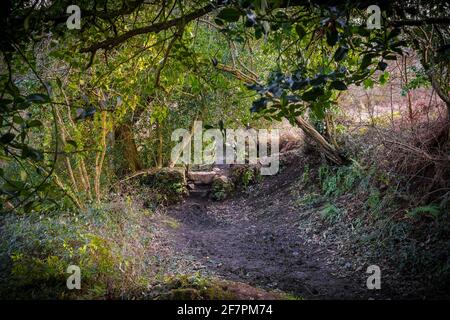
(265, 237)
(255, 238)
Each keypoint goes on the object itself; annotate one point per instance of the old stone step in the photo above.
(202, 177)
(200, 191)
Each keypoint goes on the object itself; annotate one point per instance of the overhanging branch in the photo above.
(154, 28)
(421, 22)
(327, 148)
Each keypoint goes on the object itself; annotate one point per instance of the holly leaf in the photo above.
(338, 85)
(382, 65)
(7, 138)
(332, 37)
(229, 14)
(340, 53)
(72, 143)
(313, 94)
(300, 31)
(38, 98)
(34, 123)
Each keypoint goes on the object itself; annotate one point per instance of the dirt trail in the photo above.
(255, 239)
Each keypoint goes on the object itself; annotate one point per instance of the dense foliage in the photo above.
(81, 110)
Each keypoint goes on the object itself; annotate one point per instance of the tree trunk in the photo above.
(327, 148)
(160, 145)
(100, 157)
(124, 136)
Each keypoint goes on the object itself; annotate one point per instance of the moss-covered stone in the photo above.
(245, 175)
(164, 176)
(184, 294)
(222, 187)
(170, 183)
(197, 288)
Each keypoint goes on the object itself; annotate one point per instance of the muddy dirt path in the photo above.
(274, 235)
(255, 239)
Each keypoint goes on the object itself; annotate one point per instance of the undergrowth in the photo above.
(106, 243)
(413, 239)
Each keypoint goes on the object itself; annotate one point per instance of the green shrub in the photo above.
(430, 210)
(335, 182)
(221, 188)
(331, 213)
(36, 250)
(306, 174)
(374, 202)
(309, 200)
(245, 175)
(169, 184)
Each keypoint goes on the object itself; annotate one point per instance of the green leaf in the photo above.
(38, 98)
(431, 209)
(28, 152)
(390, 57)
(318, 111)
(34, 123)
(23, 175)
(338, 85)
(59, 83)
(300, 31)
(4, 102)
(368, 83)
(72, 143)
(332, 37)
(283, 100)
(7, 138)
(319, 80)
(229, 14)
(383, 79)
(394, 33)
(17, 119)
(382, 65)
(361, 30)
(219, 22)
(366, 61)
(12, 89)
(258, 33)
(27, 208)
(340, 53)
(313, 94)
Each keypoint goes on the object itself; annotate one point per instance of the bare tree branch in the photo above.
(421, 22)
(154, 28)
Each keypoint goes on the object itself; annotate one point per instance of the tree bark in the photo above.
(327, 148)
(330, 152)
(100, 157)
(109, 43)
(124, 136)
